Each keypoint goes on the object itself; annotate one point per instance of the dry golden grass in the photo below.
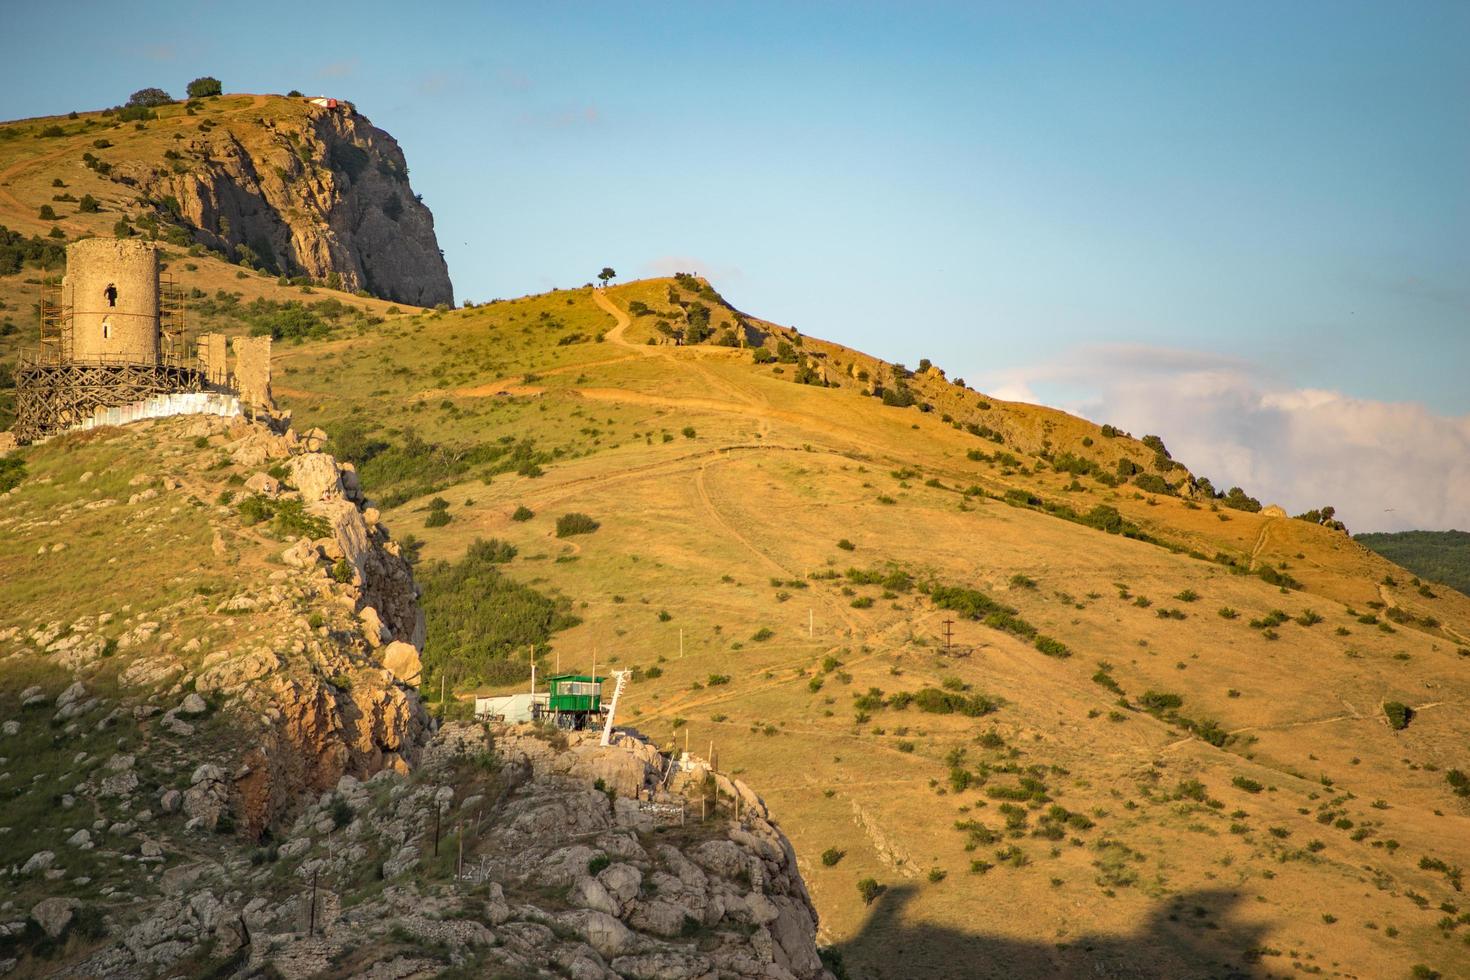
(776, 473)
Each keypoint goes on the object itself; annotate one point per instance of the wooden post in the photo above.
(681, 643)
(811, 623)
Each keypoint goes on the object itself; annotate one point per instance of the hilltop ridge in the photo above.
(277, 184)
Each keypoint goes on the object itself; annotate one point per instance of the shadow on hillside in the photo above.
(1189, 936)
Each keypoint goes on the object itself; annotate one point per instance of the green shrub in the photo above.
(575, 523)
(1152, 483)
(598, 864)
(1160, 701)
(762, 634)
(438, 517)
(89, 204)
(831, 856)
(846, 545)
(1398, 714)
(1052, 648)
(523, 513)
(1247, 784)
(481, 622)
(342, 812)
(869, 889)
(203, 87)
(343, 571)
(12, 472)
(937, 701)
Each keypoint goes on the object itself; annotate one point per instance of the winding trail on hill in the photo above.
(616, 335)
(22, 211)
(1390, 602)
(1260, 544)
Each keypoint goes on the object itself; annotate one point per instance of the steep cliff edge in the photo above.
(292, 189)
(213, 760)
(307, 190)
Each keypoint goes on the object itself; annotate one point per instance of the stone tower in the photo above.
(111, 288)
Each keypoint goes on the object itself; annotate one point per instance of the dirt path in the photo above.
(1390, 602)
(20, 212)
(1260, 544)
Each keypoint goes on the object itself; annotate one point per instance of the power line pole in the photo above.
(948, 634)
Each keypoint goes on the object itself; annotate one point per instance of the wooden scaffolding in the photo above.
(55, 389)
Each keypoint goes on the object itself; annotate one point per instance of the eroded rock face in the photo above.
(313, 191)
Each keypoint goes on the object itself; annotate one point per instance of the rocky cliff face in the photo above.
(215, 762)
(306, 190)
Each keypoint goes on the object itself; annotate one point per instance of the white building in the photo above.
(509, 708)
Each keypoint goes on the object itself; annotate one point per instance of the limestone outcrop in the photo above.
(241, 779)
(312, 191)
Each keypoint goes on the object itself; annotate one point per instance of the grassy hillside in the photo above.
(1443, 556)
(64, 168)
(1020, 716)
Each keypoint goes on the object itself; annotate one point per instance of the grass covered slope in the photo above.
(108, 174)
(1443, 556)
(1035, 716)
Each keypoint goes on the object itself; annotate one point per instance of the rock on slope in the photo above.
(207, 766)
(309, 191)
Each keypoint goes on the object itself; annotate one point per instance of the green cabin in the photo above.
(574, 693)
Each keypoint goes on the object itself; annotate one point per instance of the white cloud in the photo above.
(1383, 465)
(345, 68)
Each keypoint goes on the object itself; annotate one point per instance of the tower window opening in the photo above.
(107, 329)
(111, 293)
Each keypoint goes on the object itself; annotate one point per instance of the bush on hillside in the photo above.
(1152, 483)
(203, 87)
(1398, 714)
(1238, 499)
(523, 513)
(575, 523)
(149, 98)
(12, 472)
(478, 619)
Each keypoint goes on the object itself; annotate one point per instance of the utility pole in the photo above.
(948, 633)
(681, 643)
(533, 678)
(811, 623)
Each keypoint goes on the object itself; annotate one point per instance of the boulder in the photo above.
(264, 484)
(38, 862)
(601, 931)
(53, 915)
(403, 660)
(316, 476)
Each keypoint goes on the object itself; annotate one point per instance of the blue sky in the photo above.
(1274, 190)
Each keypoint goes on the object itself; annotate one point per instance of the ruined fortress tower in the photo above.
(112, 289)
(113, 339)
